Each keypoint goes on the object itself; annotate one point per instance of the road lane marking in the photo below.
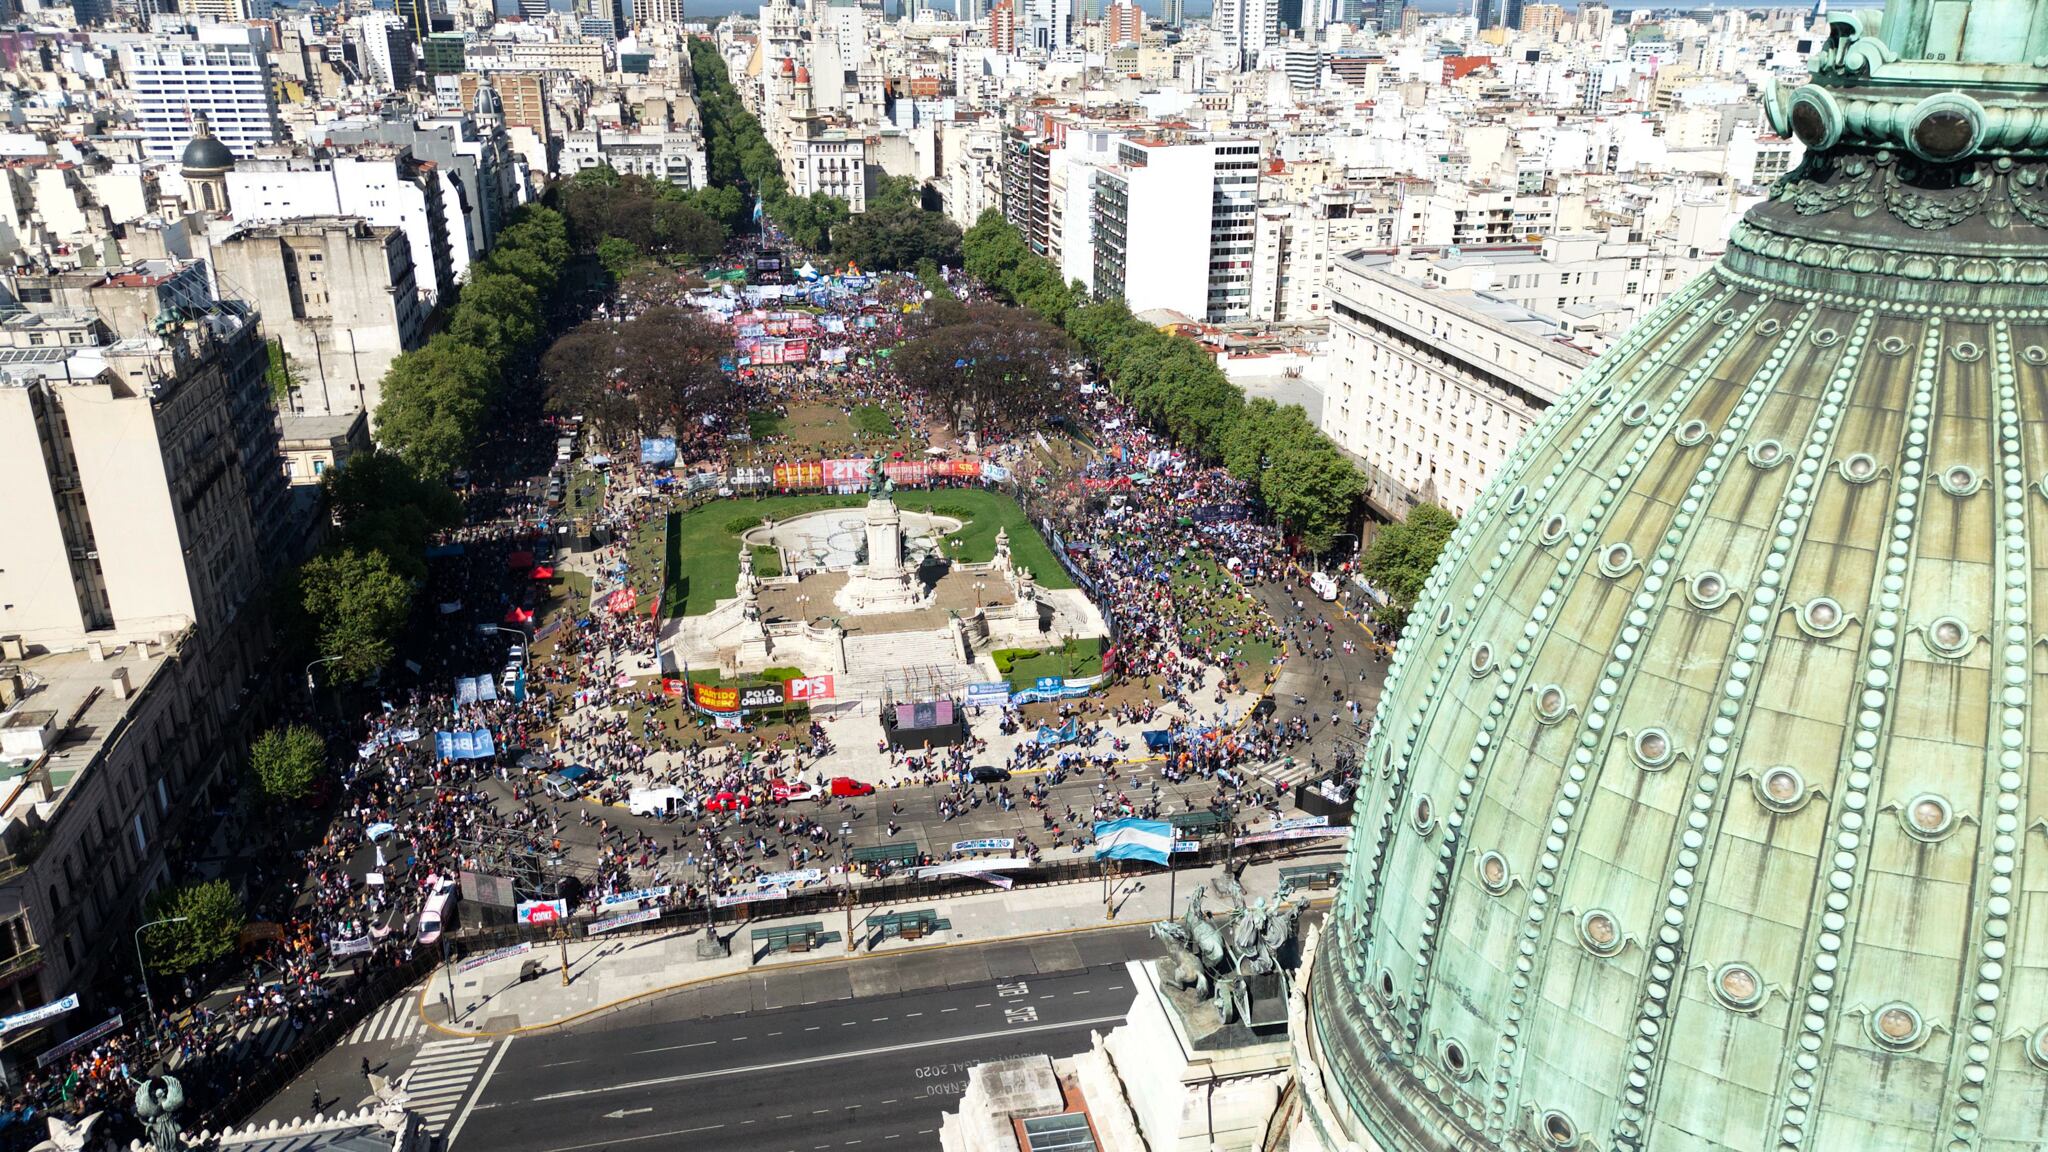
(775, 1034)
(739, 1038)
(876, 1019)
(675, 1048)
(981, 1005)
(1084, 991)
(477, 1093)
(949, 1009)
(562, 1063)
(910, 1015)
(827, 1058)
(812, 1028)
(632, 1139)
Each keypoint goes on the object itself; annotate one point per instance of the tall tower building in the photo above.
(418, 16)
(1002, 27)
(1173, 13)
(1245, 28)
(1701, 809)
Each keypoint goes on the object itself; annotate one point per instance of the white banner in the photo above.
(636, 895)
(731, 898)
(611, 922)
(1291, 834)
(475, 962)
(969, 867)
(48, 1011)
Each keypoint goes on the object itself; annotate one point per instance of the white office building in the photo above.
(1429, 388)
(1245, 28)
(220, 70)
(1153, 208)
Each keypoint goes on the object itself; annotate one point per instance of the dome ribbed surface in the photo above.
(1707, 806)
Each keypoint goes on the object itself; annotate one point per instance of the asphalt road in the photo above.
(871, 1050)
(854, 1071)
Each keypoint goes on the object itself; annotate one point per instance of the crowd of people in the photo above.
(1167, 547)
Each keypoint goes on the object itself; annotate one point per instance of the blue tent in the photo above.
(1158, 740)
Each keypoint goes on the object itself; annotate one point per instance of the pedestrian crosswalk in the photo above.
(441, 1077)
(395, 1022)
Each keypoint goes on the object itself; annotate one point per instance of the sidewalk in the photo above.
(490, 1000)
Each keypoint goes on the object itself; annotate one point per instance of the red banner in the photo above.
(806, 474)
(715, 699)
(622, 601)
(670, 686)
(796, 351)
(840, 473)
(807, 688)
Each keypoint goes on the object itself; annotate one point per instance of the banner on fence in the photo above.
(1000, 881)
(992, 844)
(636, 896)
(983, 693)
(475, 962)
(965, 867)
(732, 898)
(785, 879)
(611, 922)
(85, 1039)
(1290, 834)
(356, 947)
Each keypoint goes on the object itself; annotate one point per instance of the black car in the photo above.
(986, 774)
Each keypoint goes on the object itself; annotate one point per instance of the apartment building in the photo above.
(1175, 226)
(220, 71)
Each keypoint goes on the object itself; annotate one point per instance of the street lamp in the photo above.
(978, 586)
(149, 1001)
(309, 674)
(524, 657)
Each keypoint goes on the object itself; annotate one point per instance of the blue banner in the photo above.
(471, 745)
(1064, 734)
(658, 453)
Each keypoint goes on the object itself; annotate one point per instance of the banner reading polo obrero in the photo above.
(1133, 840)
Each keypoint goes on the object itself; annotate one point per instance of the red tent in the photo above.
(543, 572)
(518, 615)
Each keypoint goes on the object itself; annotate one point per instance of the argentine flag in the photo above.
(1133, 840)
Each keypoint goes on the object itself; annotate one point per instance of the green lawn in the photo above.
(585, 492)
(703, 561)
(1078, 659)
(1230, 613)
(765, 422)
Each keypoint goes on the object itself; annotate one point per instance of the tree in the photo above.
(434, 402)
(1004, 363)
(381, 503)
(1402, 555)
(659, 369)
(286, 762)
(210, 920)
(618, 255)
(497, 310)
(355, 604)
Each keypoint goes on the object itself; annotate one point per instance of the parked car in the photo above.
(988, 774)
(792, 791)
(841, 786)
(729, 802)
(534, 762)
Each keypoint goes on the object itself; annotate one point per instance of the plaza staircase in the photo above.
(902, 666)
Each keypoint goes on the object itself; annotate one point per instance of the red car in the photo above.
(729, 802)
(848, 786)
(791, 791)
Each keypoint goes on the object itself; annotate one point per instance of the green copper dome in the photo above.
(1707, 806)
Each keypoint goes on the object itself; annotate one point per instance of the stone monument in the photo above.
(883, 583)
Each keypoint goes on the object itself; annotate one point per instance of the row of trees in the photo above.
(659, 369)
(1302, 478)
(623, 219)
(895, 232)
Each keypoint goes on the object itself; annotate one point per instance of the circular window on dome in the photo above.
(1766, 453)
(1825, 337)
(1387, 985)
(1816, 118)
(1781, 788)
(1553, 529)
(1603, 394)
(1557, 1130)
(1949, 636)
(1708, 590)
(1550, 704)
(2037, 1047)
(1600, 932)
(1636, 414)
(1768, 326)
(1860, 468)
(1966, 351)
(2034, 354)
(1456, 1062)
(1515, 497)
(1691, 432)
(1617, 559)
(1725, 316)
(1823, 617)
(1443, 617)
(1493, 873)
(1928, 817)
(1652, 747)
(1892, 346)
(1960, 480)
(1897, 1026)
(1738, 986)
(1424, 815)
(1481, 660)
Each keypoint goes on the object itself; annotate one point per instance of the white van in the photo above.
(657, 801)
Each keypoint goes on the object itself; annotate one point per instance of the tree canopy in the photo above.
(1403, 554)
(1172, 382)
(381, 503)
(1003, 362)
(286, 762)
(353, 604)
(209, 924)
(657, 370)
